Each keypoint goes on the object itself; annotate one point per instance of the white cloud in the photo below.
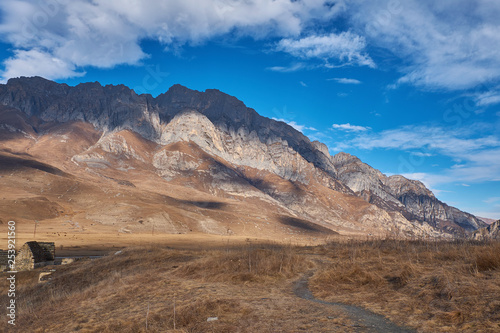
(105, 33)
(452, 142)
(476, 154)
(489, 97)
(300, 128)
(291, 68)
(445, 44)
(303, 84)
(35, 62)
(345, 80)
(350, 128)
(422, 154)
(345, 48)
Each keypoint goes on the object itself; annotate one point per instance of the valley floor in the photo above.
(251, 286)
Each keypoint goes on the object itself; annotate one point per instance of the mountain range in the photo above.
(103, 158)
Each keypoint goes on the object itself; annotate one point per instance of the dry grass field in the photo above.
(427, 286)
(432, 286)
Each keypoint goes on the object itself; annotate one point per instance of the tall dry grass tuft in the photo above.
(487, 259)
(249, 263)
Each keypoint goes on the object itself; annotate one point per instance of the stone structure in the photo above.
(3, 260)
(35, 254)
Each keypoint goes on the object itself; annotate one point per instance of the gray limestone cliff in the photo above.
(491, 232)
(410, 197)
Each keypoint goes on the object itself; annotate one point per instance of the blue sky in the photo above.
(411, 87)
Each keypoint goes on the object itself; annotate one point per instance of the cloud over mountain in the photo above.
(103, 34)
(441, 45)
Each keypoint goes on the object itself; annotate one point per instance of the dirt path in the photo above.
(364, 320)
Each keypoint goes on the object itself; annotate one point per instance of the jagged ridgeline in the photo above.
(212, 143)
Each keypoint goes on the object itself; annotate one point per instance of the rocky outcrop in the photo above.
(397, 193)
(362, 178)
(241, 147)
(491, 232)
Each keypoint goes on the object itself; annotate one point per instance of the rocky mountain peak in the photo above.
(400, 185)
(321, 147)
(33, 82)
(344, 158)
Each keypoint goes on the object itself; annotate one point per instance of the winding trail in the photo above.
(364, 320)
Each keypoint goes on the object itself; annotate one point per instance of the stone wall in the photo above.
(35, 254)
(49, 249)
(24, 258)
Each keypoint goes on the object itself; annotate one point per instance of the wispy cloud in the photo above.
(344, 80)
(476, 154)
(422, 154)
(283, 69)
(451, 45)
(488, 97)
(300, 128)
(303, 84)
(345, 48)
(429, 180)
(350, 128)
(492, 200)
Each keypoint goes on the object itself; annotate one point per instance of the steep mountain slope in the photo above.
(410, 197)
(491, 232)
(112, 108)
(206, 145)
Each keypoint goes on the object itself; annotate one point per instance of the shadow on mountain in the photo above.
(12, 163)
(205, 204)
(272, 188)
(304, 225)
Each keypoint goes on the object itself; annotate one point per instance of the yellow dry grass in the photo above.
(246, 287)
(432, 286)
